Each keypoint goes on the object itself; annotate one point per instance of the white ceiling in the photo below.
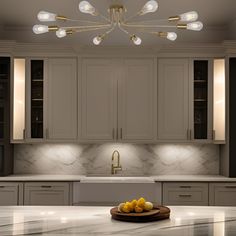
(218, 16)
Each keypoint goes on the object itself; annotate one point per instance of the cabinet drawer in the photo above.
(185, 194)
(10, 194)
(46, 193)
(222, 194)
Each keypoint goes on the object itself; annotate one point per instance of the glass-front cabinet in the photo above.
(37, 98)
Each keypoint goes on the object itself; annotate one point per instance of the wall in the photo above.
(135, 159)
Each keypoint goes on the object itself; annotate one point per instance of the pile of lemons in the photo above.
(137, 206)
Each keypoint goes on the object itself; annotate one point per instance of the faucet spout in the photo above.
(117, 166)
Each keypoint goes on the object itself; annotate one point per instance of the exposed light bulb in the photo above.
(189, 16)
(40, 29)
(136, 40)
(196, 26)
(97, 40)
(61, 33)
(45, 16)
(87, 8)
(150, 6)
(171, 36)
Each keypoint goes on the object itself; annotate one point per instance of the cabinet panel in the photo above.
(173, 96)
(98, 99)
(45, 194)
(114, 193)
(136, 100)
(9, 194)
(222, 194)
(185, 194)
(62, 99)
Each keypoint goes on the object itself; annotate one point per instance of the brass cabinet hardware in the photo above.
(230, 186)
(185, 186)
(185, 195)
(46, 186)
(121, 133)
(117, 134)
(113, 133)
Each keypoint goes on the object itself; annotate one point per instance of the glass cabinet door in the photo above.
(37, 97)
(201, 99)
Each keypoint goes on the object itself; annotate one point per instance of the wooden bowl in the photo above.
(157, 213)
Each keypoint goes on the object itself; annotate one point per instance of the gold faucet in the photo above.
(116, 167)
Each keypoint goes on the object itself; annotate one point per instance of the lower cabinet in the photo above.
(114, 193)
(11, 194)
(46, 193)
(195, 194)
(222, 194)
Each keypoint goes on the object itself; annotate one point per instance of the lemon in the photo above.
(134, 203)
(120, 207)
(141, 202)
(126, 208)
(148, 206)
(138, 209)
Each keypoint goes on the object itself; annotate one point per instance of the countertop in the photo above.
(66, 221)
(117, 178)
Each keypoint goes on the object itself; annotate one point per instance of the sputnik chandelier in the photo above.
(117, 19)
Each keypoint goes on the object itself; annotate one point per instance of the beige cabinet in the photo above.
(173, 99)
(222, 194)
(62, 99)
(11, 194)
(195, 194)
(117, 99)
(46, 193)
(136, 100)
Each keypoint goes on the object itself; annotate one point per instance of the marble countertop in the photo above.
(118, 178)
(66, 221)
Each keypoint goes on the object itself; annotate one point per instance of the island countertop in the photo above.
(85, 220)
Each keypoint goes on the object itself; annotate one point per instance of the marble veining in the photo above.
(75, 159)
(66, 221)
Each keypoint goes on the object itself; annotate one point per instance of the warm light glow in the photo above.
(45, 16)
(171, 36)
(19, 99)
(97, 40)
(150, 6)
(136, 40)
(61, 33)
(219, 226)
(40, 29)
(86, 7)
(219, 99)
(189, 16)
(195, 26)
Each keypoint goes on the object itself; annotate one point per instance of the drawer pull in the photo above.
(185, 195)
(185, 186)
(230, 186)
(46, 186)
(2, 186)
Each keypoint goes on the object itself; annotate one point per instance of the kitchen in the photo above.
(98, 109)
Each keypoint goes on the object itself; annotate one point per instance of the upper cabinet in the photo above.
(118, 99)
(45, 99)
(173, 99)
(62, 99)
(98, 102)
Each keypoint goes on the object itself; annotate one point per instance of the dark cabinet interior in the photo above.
(200, 99)
(37, 81)
(6, 157)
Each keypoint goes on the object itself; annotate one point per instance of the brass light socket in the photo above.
(174, 18)
(69, 32)
(182, 26)
(53, 28)
(117, 8)
(61, 18)
(162, 34)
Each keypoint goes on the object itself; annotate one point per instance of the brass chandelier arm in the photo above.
(85, 21)
(146, 21)
(86, 26)
(149, 26)
(86, 30)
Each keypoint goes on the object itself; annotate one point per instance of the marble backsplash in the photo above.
(135, 159)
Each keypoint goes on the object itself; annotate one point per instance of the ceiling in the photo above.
(218, 16)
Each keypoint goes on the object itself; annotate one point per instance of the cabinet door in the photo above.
(98, 99)
(9, 193)
(62, 99)
(136, 97)
(46, 194)
(173, 96)
(222, 194)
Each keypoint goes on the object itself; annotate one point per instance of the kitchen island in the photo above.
(86, 220)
